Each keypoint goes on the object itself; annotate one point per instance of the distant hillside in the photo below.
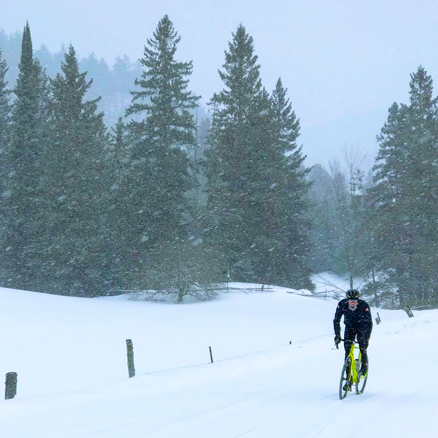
(112, 83)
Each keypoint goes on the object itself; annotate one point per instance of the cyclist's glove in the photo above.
(337, 339)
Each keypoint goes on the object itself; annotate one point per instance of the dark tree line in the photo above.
(164, 203)
(158, 202)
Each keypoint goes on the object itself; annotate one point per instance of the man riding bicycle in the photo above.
(358, 322)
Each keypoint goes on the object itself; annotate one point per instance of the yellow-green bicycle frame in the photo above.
(350, 373)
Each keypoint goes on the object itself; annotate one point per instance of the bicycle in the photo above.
(350, 376)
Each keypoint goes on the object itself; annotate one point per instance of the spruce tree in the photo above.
(5, 107)
(256, 187)
(229, 160)
(423, 115)
(291, 192)
(116, 201)
(405, 194)
(20, 257)
(5, 110)
(73, 186)
(387, 198)
(162, 134)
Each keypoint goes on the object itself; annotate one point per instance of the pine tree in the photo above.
(292, 193)
(73, 186)
(423, 116)
(5, 110)
(5, 107)
(20, 257)
(405, 194)
(162, 133)
(256, 187)
(229, 159)
(117, 168)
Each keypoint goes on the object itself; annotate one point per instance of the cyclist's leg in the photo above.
(362, 338)
(349, 336)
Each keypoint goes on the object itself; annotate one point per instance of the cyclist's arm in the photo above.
(367, 320)
(337, 321)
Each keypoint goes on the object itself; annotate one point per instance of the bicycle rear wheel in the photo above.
(345, 382)
(360, 385)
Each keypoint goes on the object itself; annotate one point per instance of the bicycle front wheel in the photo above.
(345, 382)
(361, 383)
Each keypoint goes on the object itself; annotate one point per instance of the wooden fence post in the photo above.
(378, 320)
(409, 312)
(130, 352)
(11, 385)
(211, 355)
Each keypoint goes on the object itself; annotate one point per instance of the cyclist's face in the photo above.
(353, 303)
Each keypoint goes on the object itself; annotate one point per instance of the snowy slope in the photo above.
(70, 356)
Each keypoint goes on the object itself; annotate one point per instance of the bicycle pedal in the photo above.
(347, 386)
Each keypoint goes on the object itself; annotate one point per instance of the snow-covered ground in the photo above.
(70, 356)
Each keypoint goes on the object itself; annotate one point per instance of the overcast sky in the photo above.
(344, 62)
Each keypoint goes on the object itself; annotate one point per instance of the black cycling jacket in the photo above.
(359, 319)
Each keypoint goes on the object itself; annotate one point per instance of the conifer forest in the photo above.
(116, 179)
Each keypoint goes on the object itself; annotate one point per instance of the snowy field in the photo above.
(275, 371)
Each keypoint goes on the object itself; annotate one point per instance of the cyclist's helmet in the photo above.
(353, 294)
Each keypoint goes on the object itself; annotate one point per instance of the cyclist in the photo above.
(358, 322)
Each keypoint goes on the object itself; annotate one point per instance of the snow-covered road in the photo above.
(70, 356)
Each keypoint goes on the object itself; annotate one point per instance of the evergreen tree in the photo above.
(256, 187)
(387, 197)
(229, 159)
(5, 110)
(117, 168)
(291, 193)
(73, 185)
(20, 257)
(423, 115)
(162, 133)
(5, 107)
(405, 194)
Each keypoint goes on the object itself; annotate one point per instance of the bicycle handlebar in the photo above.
(353, 342)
